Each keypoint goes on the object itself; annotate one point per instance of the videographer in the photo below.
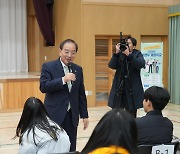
(127, 90)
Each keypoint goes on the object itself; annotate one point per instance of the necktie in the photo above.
(69, 82)
(66, 70)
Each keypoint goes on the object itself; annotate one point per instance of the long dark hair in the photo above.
(118, 128)
(35, 115)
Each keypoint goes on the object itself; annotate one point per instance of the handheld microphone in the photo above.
(70, 67)
(70, 70)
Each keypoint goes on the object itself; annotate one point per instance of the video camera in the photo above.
(123, 43)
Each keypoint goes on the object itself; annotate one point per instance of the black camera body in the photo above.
(123, 43)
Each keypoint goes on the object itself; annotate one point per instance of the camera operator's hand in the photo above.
(117, 48)
(127, 52)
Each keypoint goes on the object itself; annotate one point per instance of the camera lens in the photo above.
(123, 47)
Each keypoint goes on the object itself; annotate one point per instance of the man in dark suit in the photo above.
(65, 98)
(127, 90)
(154, 128)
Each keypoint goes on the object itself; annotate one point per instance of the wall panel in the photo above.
(82, 20)
(14, 92)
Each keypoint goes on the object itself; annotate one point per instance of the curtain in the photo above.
(174, 53)
(43, 11)
(13, 36)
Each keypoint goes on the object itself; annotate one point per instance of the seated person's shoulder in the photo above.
(140, 119)
(168, 121)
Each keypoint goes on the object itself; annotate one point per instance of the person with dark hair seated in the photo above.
(37, 133)
(115, 133)
(153, 128)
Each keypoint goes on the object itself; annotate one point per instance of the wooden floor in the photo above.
(9, 121)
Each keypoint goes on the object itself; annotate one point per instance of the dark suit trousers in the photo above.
(70, 130)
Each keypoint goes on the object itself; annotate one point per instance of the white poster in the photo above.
(152, 73)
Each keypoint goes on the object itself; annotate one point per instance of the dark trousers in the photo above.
(126, 101)
(70, 130)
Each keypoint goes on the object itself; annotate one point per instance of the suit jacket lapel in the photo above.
(59, 68)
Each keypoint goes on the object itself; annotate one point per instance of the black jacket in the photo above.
(154, 129)
(135, 62)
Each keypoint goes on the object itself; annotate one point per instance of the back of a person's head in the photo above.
(158, 96)
(34, 113)
(117, 127)
(34, 110)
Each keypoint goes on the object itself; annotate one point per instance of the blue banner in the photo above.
(152, 73)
